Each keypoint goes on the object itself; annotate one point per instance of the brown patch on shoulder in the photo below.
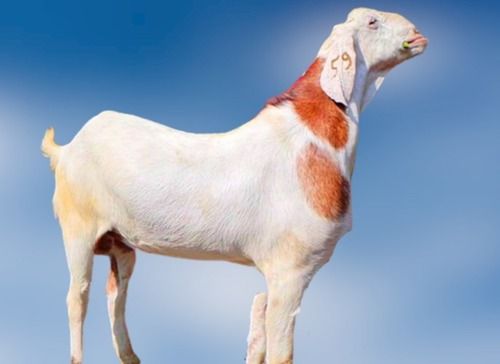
(322, 115)
(326, 190)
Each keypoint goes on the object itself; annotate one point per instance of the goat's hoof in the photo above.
(130, 359)
(255, 360)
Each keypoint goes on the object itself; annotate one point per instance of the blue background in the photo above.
(416, 281)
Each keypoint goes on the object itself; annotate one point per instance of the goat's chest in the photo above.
(324, 166)
(326, 189)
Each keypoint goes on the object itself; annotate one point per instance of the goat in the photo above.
(273, 193)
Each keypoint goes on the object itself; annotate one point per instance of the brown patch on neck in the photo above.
(326, 190)
(320, 113)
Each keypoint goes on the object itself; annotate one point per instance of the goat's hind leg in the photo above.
(122, 260)
(79, 255)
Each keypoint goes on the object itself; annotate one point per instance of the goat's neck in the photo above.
(327, 119)
(366, 84)
(332, 122)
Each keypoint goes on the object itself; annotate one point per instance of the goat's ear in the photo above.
(339, 70)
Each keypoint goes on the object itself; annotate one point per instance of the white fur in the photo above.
(233, 196)
(203, 196)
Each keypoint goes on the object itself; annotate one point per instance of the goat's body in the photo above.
(228, 196)
(273, 193)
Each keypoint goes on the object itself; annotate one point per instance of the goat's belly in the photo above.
(187, 224)
(192, 237)
(189, 251)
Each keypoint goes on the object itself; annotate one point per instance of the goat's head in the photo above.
(371, 42)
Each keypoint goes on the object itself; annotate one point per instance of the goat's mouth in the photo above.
(418, 41)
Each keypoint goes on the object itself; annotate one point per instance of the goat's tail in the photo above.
(49, 148)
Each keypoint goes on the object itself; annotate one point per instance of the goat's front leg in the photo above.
(286, 289)
(256, 351)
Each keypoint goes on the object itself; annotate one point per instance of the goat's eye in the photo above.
(373, 23)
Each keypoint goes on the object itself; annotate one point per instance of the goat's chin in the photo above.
(415, 51)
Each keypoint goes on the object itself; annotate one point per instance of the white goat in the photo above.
(273, 193)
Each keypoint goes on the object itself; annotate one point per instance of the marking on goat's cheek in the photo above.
(326, 190)
(316, 110)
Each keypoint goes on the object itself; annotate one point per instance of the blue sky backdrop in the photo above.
(416, 281)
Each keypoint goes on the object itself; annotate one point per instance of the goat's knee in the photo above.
(77, 299)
